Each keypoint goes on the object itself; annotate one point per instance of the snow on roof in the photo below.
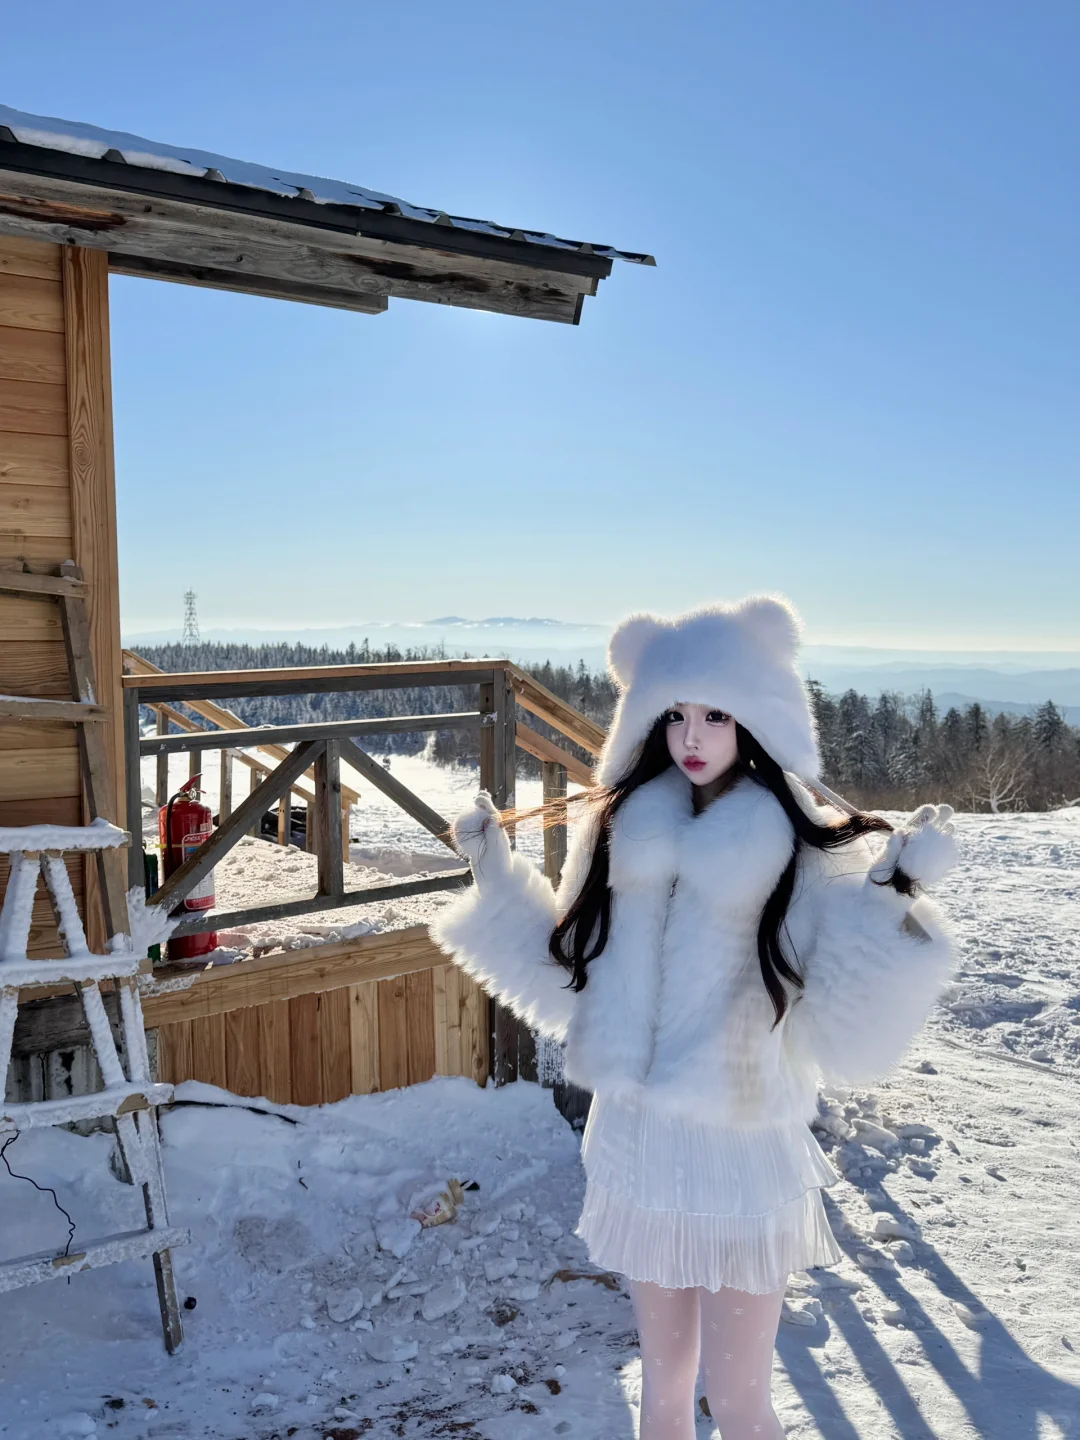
(92, 142)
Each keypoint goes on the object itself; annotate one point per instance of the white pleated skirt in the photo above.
(684, 1202)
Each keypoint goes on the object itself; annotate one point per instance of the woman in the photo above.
(718, 942)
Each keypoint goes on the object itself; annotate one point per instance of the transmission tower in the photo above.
(191, 620)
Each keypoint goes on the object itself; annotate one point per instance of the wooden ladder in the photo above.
(130, 1099)
(83, 710)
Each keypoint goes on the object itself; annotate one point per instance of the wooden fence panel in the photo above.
(351, 1040)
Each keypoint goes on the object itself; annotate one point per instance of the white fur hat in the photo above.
(740, 658)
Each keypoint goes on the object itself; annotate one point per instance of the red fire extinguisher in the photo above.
(183, 824)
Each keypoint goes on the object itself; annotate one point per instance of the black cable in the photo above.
(45, 1189)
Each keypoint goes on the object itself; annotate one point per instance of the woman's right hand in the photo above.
(483, 842)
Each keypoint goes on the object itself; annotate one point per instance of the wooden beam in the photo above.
(85, 290)
(34, 710)
(221, 718)
(381, 778)
(105, 202)
(317, 730)
(161, 773)
(541, 701)
(93, 484)
(318, 263)
(533, 743)
(22, 582)
(198, 865)
(243, 282)
(217, 990)
(202, 921)
(310, 679)
(327, 820)
(553, 778)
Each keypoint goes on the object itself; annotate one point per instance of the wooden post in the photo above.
(194, 763)
(346, 838)
(497, 774)
(328, 820)
(225, 786)
(256, 775)
(553, 777)
(284, 818)
(133, 785)
(161, 786)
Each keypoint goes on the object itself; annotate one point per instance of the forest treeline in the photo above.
(888, 752)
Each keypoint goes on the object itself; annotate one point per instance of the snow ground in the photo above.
(953, 1315)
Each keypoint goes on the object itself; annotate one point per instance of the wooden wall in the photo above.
(317, 1048)
(56, 503)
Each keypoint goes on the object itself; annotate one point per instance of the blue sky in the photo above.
(853, 377)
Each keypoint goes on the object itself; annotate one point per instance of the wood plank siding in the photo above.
(56, 504)
(314, 1046)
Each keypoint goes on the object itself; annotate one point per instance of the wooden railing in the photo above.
(321, 748)
(308, 758)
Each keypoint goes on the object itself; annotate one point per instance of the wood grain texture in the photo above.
(393, 1034)
(35, 258)
(364, 1037)
(475, 1031)
(275, 1050)
(420, 1015)
(243, 1049)
(28, 619)
(34, 460)
(452, 979)
(63, 810)
(208, 1062)
(41, 774)
(335, 1050)
(30, 408)
(32, 355)
(19, 735)
(34, 510)
(34, 668)
(29, 303)
(438, 998)
(285, 975)
(174, 1055)
(93, 490)
(304, 1048)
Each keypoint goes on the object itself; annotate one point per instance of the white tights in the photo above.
(733, 1334)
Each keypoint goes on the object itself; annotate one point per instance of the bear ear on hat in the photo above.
(627, 644)
(774, 623)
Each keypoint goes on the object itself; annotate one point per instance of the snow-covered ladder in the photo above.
(129, 1100)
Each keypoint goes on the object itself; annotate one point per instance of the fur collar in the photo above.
(733, 852)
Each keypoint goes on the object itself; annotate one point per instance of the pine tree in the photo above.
(1049, 726)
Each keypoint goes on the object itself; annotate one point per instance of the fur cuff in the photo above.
(500, 937)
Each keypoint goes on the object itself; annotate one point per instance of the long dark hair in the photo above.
(582, 933)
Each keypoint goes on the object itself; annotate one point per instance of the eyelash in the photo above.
(714, 717)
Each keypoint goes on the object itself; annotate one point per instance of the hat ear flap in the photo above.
(627, 645)
(773, 623)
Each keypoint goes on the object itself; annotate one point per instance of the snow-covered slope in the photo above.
(953, 1315)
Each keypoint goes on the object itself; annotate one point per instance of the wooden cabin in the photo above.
(78, 203)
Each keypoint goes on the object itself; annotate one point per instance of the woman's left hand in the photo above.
(922, 849)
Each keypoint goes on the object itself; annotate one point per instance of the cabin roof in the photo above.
(228, 223)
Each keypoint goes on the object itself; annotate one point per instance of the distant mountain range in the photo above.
(1012, 680)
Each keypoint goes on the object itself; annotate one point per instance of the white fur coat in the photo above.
(676, 1002)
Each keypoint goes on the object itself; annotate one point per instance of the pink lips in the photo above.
(693, 763)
